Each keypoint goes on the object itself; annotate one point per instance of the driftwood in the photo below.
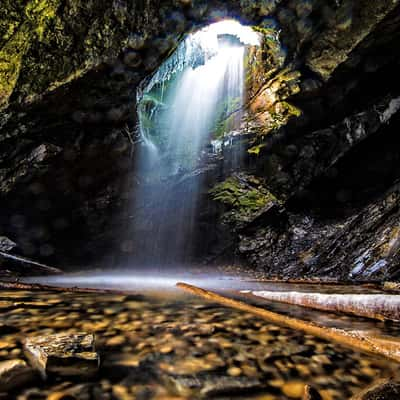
(371, 305)
(359, 340)
(31, 266)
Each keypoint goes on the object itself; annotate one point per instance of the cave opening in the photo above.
(186, 110)
(242, 151)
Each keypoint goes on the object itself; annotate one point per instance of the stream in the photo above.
(160, 343)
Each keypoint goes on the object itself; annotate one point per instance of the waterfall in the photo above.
(198, 100)
(196, 95)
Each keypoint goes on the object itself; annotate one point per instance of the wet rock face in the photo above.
(323, 82)
(343, 224)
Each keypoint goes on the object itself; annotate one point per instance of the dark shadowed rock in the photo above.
(13, 374)
(28, 165)
(6, 244)
(310, 393)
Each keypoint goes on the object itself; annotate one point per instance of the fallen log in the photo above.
(373, 284)
(358, 340)
(370, 305)
(26, 263)
(391, 286)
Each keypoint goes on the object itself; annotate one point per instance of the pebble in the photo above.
(327, 394)
(368, 371)
(293, 390)
(60, 396)
(166, 349)
(5, 345)
(116, 341)
(121, 392)
(156, 349)
(321, 359)
(188, 366)
(277, 383)
(234, 371)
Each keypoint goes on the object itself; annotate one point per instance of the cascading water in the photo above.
(196, 95)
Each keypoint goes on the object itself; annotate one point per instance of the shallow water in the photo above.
(173, 346)
(158, 283)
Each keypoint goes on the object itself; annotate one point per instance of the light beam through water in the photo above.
(198, 91)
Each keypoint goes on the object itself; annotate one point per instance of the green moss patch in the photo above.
(18, 38)
(245, 196)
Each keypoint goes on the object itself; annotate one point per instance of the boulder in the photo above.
(63, 354)
(6, 244)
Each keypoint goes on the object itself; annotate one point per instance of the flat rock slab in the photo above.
(63, 354)
(14, 373)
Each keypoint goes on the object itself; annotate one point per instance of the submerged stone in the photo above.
(76, 392)
(293, 389)
(225, 384)
(206, 386)
(63, 354)
(14, 373)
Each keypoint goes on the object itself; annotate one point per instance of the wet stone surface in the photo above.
(63, 354)
(170, 347)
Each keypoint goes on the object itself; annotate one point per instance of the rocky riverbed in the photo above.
(169, 346)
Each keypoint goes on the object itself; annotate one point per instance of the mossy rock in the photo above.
(20, 28)
(244, 196)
